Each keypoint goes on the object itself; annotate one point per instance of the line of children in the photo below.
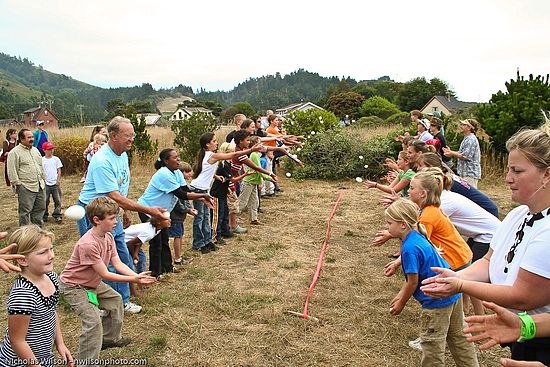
(222, 187)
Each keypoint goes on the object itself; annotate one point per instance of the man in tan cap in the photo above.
(469, 155)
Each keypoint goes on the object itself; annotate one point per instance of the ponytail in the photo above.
(203, 141)
(164, 155)
(431, 181)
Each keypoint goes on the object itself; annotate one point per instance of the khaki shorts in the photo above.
(232, 202)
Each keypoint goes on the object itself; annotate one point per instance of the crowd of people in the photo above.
(454, 251)
(108, 260)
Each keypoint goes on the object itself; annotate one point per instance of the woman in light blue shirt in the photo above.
(165, 188)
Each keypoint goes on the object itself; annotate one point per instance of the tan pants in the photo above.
(249, 198)
(95, 329)
(445, 325)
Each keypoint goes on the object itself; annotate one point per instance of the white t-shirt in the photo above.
(470, 219)
(532, 253)
(144, 231)
(206, 176)
(50, 166)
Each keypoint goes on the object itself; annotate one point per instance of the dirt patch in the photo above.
(228, 308)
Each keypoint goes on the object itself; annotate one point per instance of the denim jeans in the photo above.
(123, 288)
(202, 235)
(142, 262)
(55, 192)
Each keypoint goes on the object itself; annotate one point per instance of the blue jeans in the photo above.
(142, 262)
(202, 235)
(123, 288)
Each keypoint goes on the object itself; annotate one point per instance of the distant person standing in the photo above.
(40, 137)
(437, 132)
(27, 176)
(238, 120)
(468, 164)
(7, 146)
(52, 169)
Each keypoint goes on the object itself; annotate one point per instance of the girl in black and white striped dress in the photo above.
(33, 325)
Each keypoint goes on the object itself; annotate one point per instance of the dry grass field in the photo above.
(228, 308)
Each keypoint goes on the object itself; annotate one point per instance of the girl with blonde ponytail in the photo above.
(425, 191)
(442, 319)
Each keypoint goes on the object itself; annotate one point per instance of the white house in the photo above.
(302, 106)
(446, 105)
(183, 113)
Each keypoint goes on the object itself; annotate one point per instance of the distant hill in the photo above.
(274, 91)
(23, 85)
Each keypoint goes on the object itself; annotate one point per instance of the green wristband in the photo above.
(528, 327)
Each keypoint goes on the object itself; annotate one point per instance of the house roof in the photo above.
(151, 119)
(36, 111)
(30, 110)
(197, 109)
(452, 104)
(296, 106)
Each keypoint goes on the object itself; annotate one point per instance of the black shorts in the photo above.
(479, 249)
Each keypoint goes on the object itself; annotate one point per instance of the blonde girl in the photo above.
(401, 182)
(442, 319)
(33, 324)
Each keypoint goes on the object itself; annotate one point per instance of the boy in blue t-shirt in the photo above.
(442, 319)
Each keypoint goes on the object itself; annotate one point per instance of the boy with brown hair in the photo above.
(82, 286)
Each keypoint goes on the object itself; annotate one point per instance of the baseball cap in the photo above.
(470, 122)
(47, 146)
(424, 123)
(39, 122)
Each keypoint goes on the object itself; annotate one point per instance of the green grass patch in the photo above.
(269, 251)
(158, 341)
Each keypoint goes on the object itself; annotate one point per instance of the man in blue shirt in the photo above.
(109, 175)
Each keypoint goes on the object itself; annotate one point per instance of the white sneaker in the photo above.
(132, 308)
(415, 344)
(240, 229)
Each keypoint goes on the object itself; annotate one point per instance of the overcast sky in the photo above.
(474, 45)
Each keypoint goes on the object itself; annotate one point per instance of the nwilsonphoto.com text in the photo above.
(81, 362)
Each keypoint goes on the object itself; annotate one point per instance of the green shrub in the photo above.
(399, 119)
(70, 150)
(369, 121)
(189, 131)
(519, 106)
(143, 145)
(378, 106)
(336, 155)
(304, 122)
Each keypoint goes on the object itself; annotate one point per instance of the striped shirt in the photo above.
(26, 299)
(237, 163)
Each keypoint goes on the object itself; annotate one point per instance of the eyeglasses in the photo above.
(519, 237)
